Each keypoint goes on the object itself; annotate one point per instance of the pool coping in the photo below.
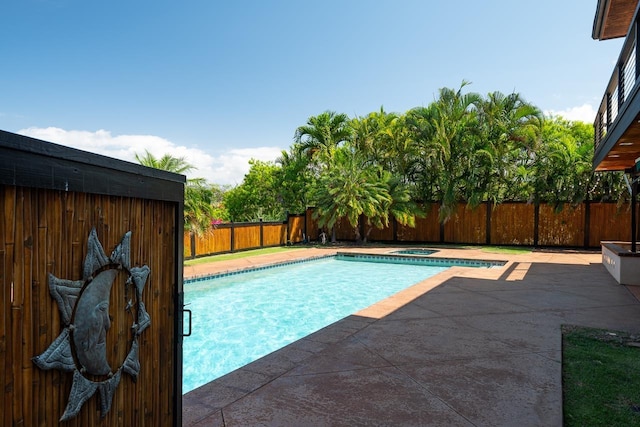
(427, 259)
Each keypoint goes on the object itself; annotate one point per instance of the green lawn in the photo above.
(601, 378)
(505, 250)
(243, 254)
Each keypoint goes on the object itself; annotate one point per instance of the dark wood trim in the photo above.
(30, 162)
(587, 222)
(233, 235)
(536, 224)
(262, 232)
(634, 196)
(488, 223)
(178, 312)
(394, 226)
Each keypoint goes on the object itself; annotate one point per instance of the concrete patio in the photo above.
(468, 347)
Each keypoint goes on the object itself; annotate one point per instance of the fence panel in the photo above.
(274, 234)
(379, 234)
(216, 241)
(313, 233)
(246, 237)
(467, 225)
(513, 224)
(296, 228)
(607, 222)
(344, 230)
(565, 228)
(427, 229)
(187, 245)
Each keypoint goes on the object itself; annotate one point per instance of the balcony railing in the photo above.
(623, 81)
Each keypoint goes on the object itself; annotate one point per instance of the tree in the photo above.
(198, 195)
(198, 206)
(446, 139)
(322, 135)
(349, 188)
(258, 195)
(562, 167)
(167, 162)
(509, 131)
(294, 181)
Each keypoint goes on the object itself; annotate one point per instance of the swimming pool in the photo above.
(242, 317)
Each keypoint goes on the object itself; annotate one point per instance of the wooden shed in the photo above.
(91, 305)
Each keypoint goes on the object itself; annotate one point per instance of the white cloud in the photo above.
(584, 113)
(228, 167)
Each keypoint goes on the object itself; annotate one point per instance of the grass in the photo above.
(237, 255)
(505, 250)
(601, 378)
(243, 254)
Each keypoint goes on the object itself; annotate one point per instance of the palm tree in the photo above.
(166, 163)
(198, 195)
(509, 130)
(198, 206)
(444, 135)
(349, 189)
(322, 135)
(295, 180)
(402, 208)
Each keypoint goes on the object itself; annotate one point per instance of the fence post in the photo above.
(394, 227)
(587, 222)
(488, 223)
(441, 228)
(288, 231)
(536, 223)
(193, 244)
(306, 238)
(634, 196)
(233, 237)
(261, 234)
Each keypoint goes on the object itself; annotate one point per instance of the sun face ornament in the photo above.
(81, 347)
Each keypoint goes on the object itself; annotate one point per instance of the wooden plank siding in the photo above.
(467, 225)
(313, 233)
(296, 224)
(217, 241)
(609, 222)
(246, 236)
(564, 228)
(427, 229)
(45, 232)
(274, 235)
(379, 234)
(513, 224)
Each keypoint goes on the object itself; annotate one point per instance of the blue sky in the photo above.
(220, 82)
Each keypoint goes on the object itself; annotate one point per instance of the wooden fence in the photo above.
(510, 223)
(234, 237)
(51, 197)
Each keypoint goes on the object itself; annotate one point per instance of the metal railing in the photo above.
(623, 80)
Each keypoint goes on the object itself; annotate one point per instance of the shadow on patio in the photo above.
(465, 351)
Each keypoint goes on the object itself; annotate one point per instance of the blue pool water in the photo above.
(240, 318)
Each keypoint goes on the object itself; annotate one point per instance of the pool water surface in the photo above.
(239, 318)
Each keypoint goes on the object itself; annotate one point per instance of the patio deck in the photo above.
(468, 347)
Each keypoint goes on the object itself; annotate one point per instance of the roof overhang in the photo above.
(613, 18)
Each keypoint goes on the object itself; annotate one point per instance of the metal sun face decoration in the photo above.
(81, 347)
